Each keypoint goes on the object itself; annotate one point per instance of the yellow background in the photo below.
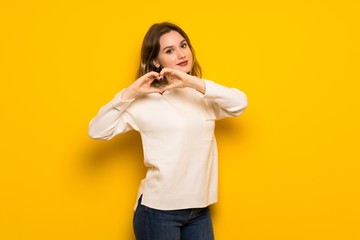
(289, 166)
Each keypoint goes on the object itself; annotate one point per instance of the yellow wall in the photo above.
(289, 167)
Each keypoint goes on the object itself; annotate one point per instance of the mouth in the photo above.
(182, 64)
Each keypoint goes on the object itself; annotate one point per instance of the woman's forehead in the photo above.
(171, 38)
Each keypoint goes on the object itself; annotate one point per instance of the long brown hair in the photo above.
(151, 46)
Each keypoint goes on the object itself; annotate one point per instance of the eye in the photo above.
(169, 51)
(184, 45)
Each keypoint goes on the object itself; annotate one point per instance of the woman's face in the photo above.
(174, 52)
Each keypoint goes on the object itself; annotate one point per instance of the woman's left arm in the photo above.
(226, 102)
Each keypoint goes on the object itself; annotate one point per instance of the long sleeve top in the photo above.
(177, 133)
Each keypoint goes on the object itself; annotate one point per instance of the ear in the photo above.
(156, 63)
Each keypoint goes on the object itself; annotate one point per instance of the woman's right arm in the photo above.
(112, 118)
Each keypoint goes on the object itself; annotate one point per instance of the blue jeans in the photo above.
(184, 224)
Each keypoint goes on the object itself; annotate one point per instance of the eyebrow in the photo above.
(184, 40)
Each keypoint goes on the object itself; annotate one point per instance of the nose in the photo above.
(181, 54)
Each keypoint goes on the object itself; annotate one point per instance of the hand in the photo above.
(142, 86)
(180, 79)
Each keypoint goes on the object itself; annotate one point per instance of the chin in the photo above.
(184, 69)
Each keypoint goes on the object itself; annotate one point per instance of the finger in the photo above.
(152, 75)
(165, 71)
(153, 90)
(149, 77)
(168, 87)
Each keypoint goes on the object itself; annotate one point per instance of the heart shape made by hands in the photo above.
(159, 83)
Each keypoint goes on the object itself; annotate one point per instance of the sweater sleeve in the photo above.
(226, 102)
(111, 119)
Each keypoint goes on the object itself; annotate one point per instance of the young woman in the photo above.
(174, 110)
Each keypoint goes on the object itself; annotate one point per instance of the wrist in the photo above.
(197, 84)
(129, 93)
